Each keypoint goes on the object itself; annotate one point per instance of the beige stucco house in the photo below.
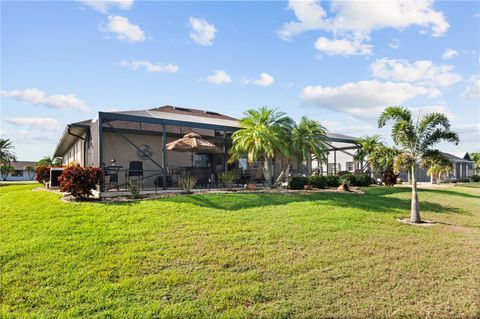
(115, 140)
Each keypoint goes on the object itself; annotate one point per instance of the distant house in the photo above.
(20, 173)
(463, 168)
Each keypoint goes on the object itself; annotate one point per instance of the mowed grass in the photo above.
(241, 256)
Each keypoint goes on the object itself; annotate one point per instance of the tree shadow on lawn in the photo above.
(373, 201)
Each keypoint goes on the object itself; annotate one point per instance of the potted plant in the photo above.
(308, 187)
(251, 186)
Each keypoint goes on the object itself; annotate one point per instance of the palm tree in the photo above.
(366, 146)
(6, 152)
(415, 140)
(438, 165)
(50, 161)
(261, 137)
(381, 160)
(303, 139)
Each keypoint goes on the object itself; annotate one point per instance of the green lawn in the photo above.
(241, 255)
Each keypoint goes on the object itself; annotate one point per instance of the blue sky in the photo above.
(337, 62)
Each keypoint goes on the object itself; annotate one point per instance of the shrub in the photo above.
(134, 188)
(341, 173)
(227, 179)
(464, 180)
(362, 179)
(475, 178)
(345, 182)
(318, 181)
(42, 173)
(350, 178)
(80, 181)
(332, 181)
(187, 182)
(297, 182)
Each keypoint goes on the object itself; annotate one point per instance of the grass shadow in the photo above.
(375, 200)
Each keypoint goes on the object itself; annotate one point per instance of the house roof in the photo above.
(455, 158)
(20, 165)
(172, 115)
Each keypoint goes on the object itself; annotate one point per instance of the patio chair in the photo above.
(257, 175)
(135, 168)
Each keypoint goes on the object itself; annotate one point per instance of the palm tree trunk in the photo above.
(283, 173)
(415, 209)
(267, 171)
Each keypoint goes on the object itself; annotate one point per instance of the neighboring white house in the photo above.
(20, 173)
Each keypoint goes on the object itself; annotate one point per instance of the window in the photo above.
(242, 163)
(331, 168)
(350, 166)
(200, 160)
(17, 173)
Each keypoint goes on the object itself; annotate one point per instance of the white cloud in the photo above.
(29, 136)
(434, 108)
(45, 123)
(343, 47)
(202, 32)
(449, 53)
(363, 99)
(394, 44)
(58, 101)
(362, 17)
(469, 133)
(219, 77)
(104, 6)
(264, 80)
(421, 72)
(124, 30)
(150, 67)
(472, 91)
(359, 128)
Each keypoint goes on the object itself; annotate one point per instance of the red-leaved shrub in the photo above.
(42, 173)
(80, 181)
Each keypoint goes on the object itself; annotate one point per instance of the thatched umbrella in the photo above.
(192, 142)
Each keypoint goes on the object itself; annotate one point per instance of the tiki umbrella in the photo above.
(192, 142)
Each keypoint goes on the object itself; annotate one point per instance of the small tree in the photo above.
(438, 165)
(30, 171)
(415, 138)
(381, 159)
(42, 174)
(5, 170)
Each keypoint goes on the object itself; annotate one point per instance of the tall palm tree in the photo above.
(261, 137)
(366, 146)
(308, 137)
(416, 139)
(303, 139)
(7, 154)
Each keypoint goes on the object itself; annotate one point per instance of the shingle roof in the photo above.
(20, 165)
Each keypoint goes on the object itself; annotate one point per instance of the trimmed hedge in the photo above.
(318, 181)
(475, 178)
(362, 179)
(297, 182)
(350, 179)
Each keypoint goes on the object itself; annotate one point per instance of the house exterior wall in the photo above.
(20, 175)
(76, 153)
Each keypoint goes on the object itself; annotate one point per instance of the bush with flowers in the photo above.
(80, 181)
